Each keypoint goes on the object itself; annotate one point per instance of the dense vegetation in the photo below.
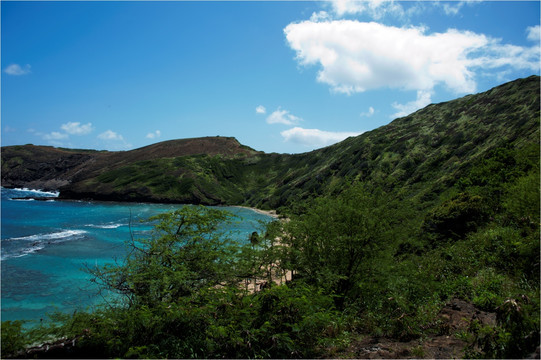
(384, 230)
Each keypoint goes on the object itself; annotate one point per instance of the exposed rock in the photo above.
(455, 316)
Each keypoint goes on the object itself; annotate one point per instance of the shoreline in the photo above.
(271, 213)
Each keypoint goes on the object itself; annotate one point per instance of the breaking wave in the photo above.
(37, 242)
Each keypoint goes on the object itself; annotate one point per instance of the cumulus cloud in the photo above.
(534, 33)
(154, 135)
(114, 141)
(55, 135)
(16, 69)
(75, 128)
(320, 16)
(260, 109)
(374, 8)
(315, 137)
(369, 113)
(452, 8)
(283, 117)
(423, 99)
(110, 135)
(377, 9)
(356, 56)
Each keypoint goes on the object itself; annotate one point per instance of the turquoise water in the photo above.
(46, 244)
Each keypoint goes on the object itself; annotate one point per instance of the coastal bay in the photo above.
(46, 244)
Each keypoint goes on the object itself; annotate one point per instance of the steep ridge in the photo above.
(213, 145)
(50, 168)
(431, 148)
(42, 167)
(418, 156)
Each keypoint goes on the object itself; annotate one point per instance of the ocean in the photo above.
(46, 244)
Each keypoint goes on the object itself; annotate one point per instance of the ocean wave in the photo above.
(36, 191)
(105, 226)
(22, 252)
(60, 235)
(38, 242)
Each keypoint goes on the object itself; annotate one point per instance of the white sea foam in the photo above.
(61, 235)
(38, 242)
(24, 252)
(105, 226)
(36, 246)
(40, 192)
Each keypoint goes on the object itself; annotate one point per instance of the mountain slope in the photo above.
(419, 155)
(434, 146)
(50, 168)
(42, 167)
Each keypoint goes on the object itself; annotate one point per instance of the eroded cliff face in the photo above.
(41, 167)
(69, 171)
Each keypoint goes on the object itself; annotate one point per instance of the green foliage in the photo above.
(186, 253)
(516, 333)
(14, 339)
(487, 285)
(521, 201)
(454, 218)
(183, 298)
(330, 242)
(292, 321)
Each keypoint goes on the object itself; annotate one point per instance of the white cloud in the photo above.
(452, 8)
(16, 69)
(110, 135)
(342, 7)
(423, 99)
(374, 8)
(369, 113)
(320, 16)
(315, 137)
(283, 117)
(356, 56)
(154, 135)
(507, 55)
(114, 141)
(75, 128)
(534, 33)
(377, 9)
(55, 135)
(260, 109)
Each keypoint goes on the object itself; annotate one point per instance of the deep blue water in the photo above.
(45, 245)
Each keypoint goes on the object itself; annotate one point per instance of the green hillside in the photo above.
(421, 155)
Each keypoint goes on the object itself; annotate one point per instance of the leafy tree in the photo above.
(454, 218)
(13, 337)
(328, 244)
(187, 252)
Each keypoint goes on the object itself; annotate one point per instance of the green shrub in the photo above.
(516, 334)
(14, 339)
(454, 218)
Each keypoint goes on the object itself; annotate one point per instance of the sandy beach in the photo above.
(271, 213)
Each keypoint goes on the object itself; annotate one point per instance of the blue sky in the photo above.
(280, 76)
